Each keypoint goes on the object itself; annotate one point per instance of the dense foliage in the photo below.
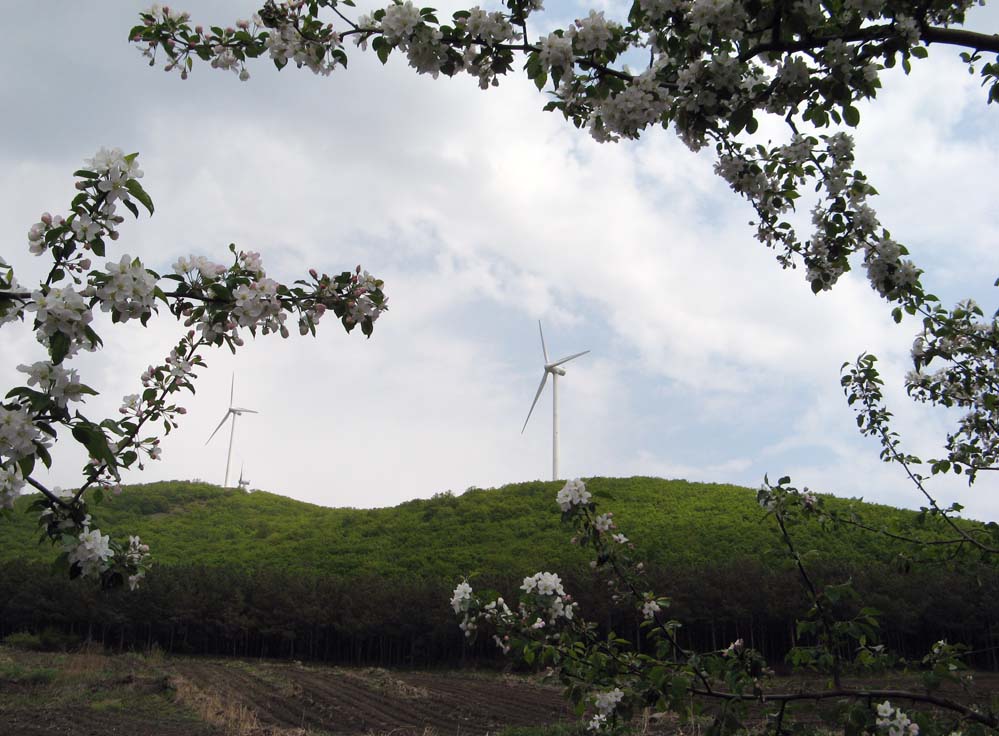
(260, 574)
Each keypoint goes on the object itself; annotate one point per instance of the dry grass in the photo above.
(87, 661)
(382, 681)
(232, 716)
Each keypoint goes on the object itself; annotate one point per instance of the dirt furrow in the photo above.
(271, 707)
(368, 709)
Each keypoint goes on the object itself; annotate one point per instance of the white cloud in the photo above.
(483, 214)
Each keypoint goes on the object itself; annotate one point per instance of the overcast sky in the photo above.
(484, 214)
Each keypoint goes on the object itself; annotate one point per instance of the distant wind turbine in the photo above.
(233, 412)
(242, 484)
(555, 371)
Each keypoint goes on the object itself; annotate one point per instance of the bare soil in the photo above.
(93, 694)
(98, 695)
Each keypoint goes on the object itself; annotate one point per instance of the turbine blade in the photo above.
(543, 348)
(227, 415)
(238, 410)
(571, 357)
(544, 379)
(232, 389)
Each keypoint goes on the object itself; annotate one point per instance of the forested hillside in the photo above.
(257, 573)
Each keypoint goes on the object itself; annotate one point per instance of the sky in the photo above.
(484, 214)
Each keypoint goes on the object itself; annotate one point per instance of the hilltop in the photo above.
(514, 528)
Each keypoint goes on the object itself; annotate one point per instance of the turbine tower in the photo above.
(233, 412)
(555, 371)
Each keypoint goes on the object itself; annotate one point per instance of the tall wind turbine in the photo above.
(233, 412)
(553, 369)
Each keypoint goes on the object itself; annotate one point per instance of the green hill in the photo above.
(257, 574)
(515, 529)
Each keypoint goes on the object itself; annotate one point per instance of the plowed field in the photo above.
(100, 695)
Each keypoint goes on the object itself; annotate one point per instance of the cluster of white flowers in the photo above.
(798, 151)
(127, 290)
(626, 114)
(895, 721)
(743, 177)
(91, 550)
(886, 269)
(11, 483)
(252, 262)
(650, 608)
(619, 538)
(18, 433)
(65, 311)
(556, 53)
(287, 44)
(488, 28)
(257, 303)
(425, 52)
(114, 164)
(135, 557)
(400, 21)
(462, 597)
(36, 235)
(198, 266)
(605, 703)
(61, 384)
(604, 522)
(592, 33)
(573, 493)
(543, 583)
(557, 604)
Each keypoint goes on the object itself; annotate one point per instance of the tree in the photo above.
(710, 71)
(715, 67)
(218, 302)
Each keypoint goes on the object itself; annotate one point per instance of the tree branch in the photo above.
(960, 37)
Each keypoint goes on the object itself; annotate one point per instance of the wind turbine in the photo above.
(232, 412)
(553, 369)
(242, 484)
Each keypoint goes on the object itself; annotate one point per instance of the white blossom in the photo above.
(18, 434)
(91, 551)
(11, 483)
(61, 384)
(591, 33)
(573, 493)
(462, 597)
(400, 21)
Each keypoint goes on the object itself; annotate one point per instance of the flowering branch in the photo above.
(217, 301)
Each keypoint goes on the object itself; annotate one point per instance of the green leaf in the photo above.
(135, 189)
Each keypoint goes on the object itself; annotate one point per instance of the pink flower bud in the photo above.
(46, 218)
(181, 410)
(85, 264)
(199, 30)
(113, 235)
(313, 273)
(358, 269)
